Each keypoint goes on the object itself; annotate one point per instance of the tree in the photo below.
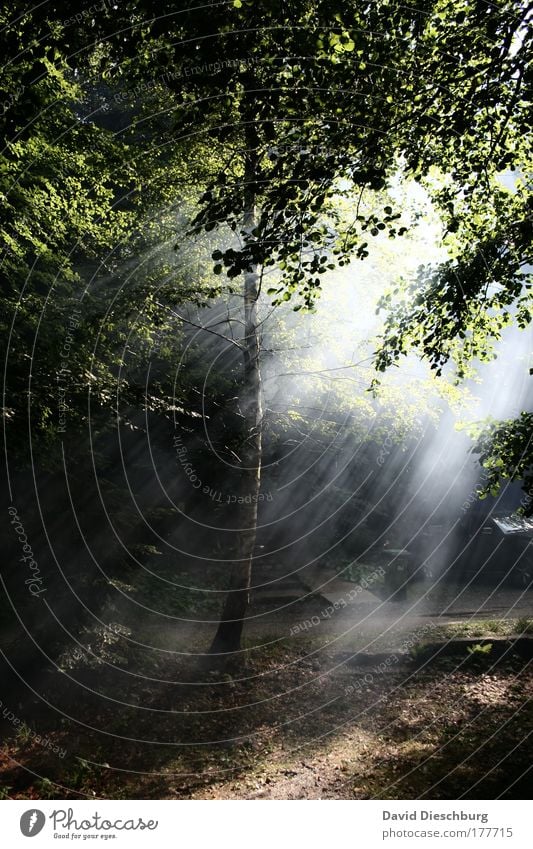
(270, 116)
(79, 202)
(303, 97)
(307, 104)
(481, 184)
(505, 451)
(60, 179)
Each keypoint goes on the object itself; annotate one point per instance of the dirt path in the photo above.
(289, 725)
(447, 732)
(305, 713)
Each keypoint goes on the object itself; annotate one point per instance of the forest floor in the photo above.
(307, 718)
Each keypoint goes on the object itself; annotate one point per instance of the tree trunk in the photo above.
(228, 637)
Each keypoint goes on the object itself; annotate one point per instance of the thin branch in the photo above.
(324, 370)
(202, 327)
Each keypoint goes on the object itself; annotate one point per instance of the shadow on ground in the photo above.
(294, 719)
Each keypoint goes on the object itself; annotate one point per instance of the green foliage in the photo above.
(306, 112)
(59, 179)
(24, 733)
(358, 572)
(285, 125)
(418, 652)
(85, 245)
(456, 310)
(479, 650)
(47, 789)
(505, 452)
(524, 626)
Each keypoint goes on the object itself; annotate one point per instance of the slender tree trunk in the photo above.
(228, 636)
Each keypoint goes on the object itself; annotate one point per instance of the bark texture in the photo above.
(228, 637)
